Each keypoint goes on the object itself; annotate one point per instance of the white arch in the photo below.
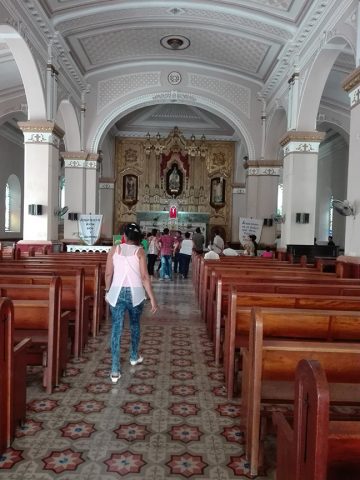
(123, 109)
(67, 120)
(315, 82)
(28, 70)
(277, 125)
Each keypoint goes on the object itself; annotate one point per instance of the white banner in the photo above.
(89, 228)
(250, 226)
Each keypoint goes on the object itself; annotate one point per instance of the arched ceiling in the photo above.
(243, 36)
(252, 39)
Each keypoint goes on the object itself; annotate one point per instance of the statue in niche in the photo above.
(174, 181)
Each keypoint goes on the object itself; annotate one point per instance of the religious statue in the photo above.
(174, 179)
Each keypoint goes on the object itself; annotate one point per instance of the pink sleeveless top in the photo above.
(126, 274)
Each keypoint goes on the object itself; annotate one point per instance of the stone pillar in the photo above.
(81, 189)
(41, 180)
(352, 229)
(261, 189)
(300, 179)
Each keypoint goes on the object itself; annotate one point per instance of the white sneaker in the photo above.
(136, 362)
(115, 377)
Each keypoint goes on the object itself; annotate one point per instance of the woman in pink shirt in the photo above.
(126, 280)
(267, 253)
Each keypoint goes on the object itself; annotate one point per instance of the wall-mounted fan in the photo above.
(60, 212)
(344, 207)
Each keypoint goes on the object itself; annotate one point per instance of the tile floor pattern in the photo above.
(166, 419)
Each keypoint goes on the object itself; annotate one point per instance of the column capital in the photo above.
(80, 159)
(263, 167)
(352, 80)
(295, 141)
(42, 131)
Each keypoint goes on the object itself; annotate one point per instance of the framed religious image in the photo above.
(217, 192)
(174, 180)
(130, 189)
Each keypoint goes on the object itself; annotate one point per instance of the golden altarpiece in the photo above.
(153, 175)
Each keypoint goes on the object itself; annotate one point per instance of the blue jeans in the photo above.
(166, 266)
(124, 302)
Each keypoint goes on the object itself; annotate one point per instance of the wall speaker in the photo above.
(72, 216)
(302, 217)
(35, 209)
(268, 222)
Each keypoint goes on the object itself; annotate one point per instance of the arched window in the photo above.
(12, 204)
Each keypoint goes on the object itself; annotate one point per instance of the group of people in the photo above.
(172, 250)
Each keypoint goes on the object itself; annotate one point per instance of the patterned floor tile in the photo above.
(166, 419)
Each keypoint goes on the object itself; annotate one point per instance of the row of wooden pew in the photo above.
(56, 302)
(266, 315)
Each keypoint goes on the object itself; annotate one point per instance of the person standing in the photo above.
(255, 244)
(126, 280)
(198, 240)
(177, 246)
(166, 243)
(185, 255)
(153, 252)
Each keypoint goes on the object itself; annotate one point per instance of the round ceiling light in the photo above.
(175, 42)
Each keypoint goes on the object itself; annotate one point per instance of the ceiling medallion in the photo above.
(174, 78)
(175, 42)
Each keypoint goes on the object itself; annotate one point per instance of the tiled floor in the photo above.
(166, 419)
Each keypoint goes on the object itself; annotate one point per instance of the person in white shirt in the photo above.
(185, 253)
(218, 243)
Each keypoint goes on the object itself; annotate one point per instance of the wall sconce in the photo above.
(73, 216)
(302, 217)
(35, 209)
(268, 222)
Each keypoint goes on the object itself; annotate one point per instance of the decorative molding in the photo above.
(75, 163)
(174, 78)
(85, 160)
(263, 171)
(352, 81)
(174, 96)
(298, 136)
(106, 185)
(264, 163)
(75, 155)
(239, 190)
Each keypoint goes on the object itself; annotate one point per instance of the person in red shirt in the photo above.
(166, 243)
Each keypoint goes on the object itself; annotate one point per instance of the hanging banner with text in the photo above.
(89, 228)
(249, 226)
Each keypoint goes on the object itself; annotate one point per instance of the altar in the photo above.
(184, 221)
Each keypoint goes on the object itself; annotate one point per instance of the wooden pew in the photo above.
(47, 326)
(236, 323)
(12, 374)
(315, 447)
(93, 281)
(269, 282)
(277, 343)
(72, 299)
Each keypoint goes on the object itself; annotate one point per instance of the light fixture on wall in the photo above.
(268, 222)
(35, 209)
(73, 216)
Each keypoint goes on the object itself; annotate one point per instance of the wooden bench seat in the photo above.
(47, 326)
(237, 324)
(35, 287)
(315, 447)
(12, 375)
(277, 343)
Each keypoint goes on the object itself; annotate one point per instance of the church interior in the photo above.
(232, 117)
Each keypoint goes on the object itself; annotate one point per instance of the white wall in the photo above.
(12, 162)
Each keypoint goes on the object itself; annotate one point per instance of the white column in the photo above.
(300, 181)
(41, 179)
(352, 230)
(293, 105)
(261, 190)
(81, 188)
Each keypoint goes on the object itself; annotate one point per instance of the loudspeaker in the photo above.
(268, 222)
(72, 216)
(35, 209)
(302, 217)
